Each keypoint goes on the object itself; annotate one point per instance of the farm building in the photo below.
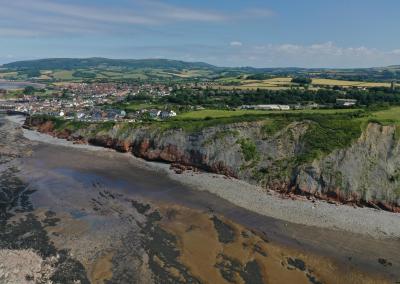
(345, 102)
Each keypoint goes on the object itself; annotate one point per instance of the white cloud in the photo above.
(55, 17)
(177, 13)
(47, 8)
(236, 43)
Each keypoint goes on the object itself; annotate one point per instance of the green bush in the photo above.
(249, 149)
(273, 126)
(327, 134)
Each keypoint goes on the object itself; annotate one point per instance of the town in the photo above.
(102, 102)
(87, 102)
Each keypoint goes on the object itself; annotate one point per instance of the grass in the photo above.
(389, 115)
(63, 75)
(105, 126)
(138, 106)
(327, 134)
(273, 126)
(61, 124)
(197, 121)
(278, 83)
(343, 83)
(397, 192)
(213, 113)
(249, 149)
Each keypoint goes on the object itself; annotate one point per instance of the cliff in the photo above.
(361, 168)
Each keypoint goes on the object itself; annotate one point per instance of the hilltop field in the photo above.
(282, 83)
(103, 69)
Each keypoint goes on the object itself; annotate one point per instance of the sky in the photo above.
(259, 33)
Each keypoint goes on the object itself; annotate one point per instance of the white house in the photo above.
(346, 102)
(267, 107)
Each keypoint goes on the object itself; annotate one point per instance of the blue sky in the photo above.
(302, 33)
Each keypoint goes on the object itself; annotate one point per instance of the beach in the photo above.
(367, 221)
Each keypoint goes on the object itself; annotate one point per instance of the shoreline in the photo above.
(318, 213)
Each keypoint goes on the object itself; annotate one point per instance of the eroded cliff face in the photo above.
(367, 172)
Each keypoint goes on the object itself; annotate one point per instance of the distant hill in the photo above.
(96, 62)
(92, 68)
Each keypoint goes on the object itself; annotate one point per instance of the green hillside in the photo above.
(95, 62)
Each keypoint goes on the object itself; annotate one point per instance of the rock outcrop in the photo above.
(365, 173)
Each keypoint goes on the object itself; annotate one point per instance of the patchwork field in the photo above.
(281, 83)
(117, 74)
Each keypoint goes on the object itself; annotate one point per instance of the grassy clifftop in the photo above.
(328, 129)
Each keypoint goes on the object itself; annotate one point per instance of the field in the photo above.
(4, 75)
(138, 106)
(391, 115)
(271, 84)
(62, 75)
(343, 83)
(281, 83)
(209, 113)
(116, 74)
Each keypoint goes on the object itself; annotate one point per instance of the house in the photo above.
(167, 114)
(312, 105)
(96, 115)
(112, 114)
(345, 102)
(80, 115)
(266, 107)
(154, 113)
